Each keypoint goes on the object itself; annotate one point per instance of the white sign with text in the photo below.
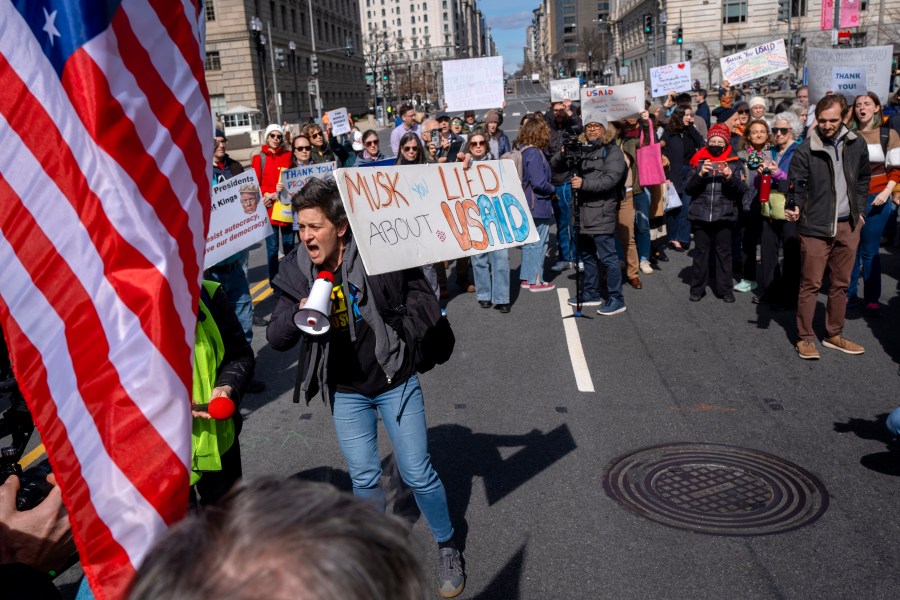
(564, 89)
(340, 122)
(413, 215)
(237, 218)
(754, 63)
(605, 104)
(670, 78)
(473, 83)
(821, 62)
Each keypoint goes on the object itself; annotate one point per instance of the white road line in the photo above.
(518, 114)
(573, 341)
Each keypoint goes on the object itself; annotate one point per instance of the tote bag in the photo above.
(649, 161)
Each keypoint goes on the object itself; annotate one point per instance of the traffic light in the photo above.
(784, 10)
(679, 36)
(648, 24)
(384, 77)
(314, 65)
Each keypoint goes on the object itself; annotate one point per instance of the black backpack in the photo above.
(412, 309)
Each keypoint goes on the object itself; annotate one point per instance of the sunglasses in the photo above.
(743, 112)
(372, 143)
(410, 148)
(456, 122)
(781, 130)
(317, 134)
(477, 144)
(302, 148)
(221, 142)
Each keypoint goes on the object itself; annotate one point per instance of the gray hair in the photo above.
(285, 540)
(793, 120)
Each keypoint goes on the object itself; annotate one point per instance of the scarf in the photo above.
(703, 154)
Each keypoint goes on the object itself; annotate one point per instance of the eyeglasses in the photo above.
(372, 143)
(410, 148)
(276, 136)
(221, 142)
(302, 148)
(595, 126)
(477, 144)
(743, 112)
(411, 115)
(781, 130)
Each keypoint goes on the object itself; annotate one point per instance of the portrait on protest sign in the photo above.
(413, 215)
(237, 218)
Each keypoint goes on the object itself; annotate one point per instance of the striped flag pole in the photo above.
(104, 208)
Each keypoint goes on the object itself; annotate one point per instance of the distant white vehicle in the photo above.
(535, 76)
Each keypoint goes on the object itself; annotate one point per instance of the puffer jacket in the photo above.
(812, 173)
(714, 197)
(604, 173)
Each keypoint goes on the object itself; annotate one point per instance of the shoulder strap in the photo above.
(885, 133)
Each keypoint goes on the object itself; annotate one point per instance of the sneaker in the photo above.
(872, 309)
(696, 297)
(580, 267)
(594, 302)
(613, 306)
(745, 285)
(562, 265)
(541, 287)
(451, 576)
(646, 267)
(728, 298)
(524, 284)
(837, 342)
(807, 350)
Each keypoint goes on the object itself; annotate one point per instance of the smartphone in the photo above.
(436, 138)
(717, 167)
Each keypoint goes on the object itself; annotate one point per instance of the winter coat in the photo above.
(570, 127)
(295, 278)
(679, 148)
(603, 187)
(275, 162)
(714, 197)
(537, 183)
(812, 174)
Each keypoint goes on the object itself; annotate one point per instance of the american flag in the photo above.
(104, 207)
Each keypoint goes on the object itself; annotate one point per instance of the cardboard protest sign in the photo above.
(414, 215)
(604, 104)
(340, 122)
(849, 81)
(294, 178)
(668, 78)
(564, 89)
(820, 63)
(754, 63)
(473, 83)
(237, 218)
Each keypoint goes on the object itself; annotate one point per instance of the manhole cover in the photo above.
(719, 490)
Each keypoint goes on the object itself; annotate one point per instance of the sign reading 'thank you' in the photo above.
(413, 215)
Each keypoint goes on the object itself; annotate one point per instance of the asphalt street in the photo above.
(523, 452)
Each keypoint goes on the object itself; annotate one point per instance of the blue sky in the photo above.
(508, 20)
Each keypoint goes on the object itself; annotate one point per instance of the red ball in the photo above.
(220, 408)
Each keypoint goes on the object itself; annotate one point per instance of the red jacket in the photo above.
(276, 160)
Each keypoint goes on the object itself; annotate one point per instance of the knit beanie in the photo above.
(719, 130)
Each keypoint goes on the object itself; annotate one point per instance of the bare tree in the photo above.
(708, 59)
(376, 49)
(593, 48)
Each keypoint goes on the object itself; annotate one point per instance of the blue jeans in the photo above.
(605, 246)
(532, 269)
(287, 243)
(677, 225)
(642, 224)
(402, 411)
(491, 271)
(562, 212)
(234, 284)
(868, 256)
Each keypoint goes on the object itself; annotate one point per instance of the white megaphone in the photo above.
(314, 317)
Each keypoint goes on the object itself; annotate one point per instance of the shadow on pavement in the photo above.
(887, 462)
(505, 584)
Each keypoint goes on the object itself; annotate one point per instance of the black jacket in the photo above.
(714, 197)
(812, 174)
(238, 361)
(604, 173)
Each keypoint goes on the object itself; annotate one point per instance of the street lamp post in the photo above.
(312, 36)
(256, 31)
(274, 77)
(292, 46)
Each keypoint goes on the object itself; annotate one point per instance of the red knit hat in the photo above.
(719, 130)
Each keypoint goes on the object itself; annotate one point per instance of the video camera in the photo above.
(16, 423)
(575, 150)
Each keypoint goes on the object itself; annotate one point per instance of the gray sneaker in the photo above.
(451, 577)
